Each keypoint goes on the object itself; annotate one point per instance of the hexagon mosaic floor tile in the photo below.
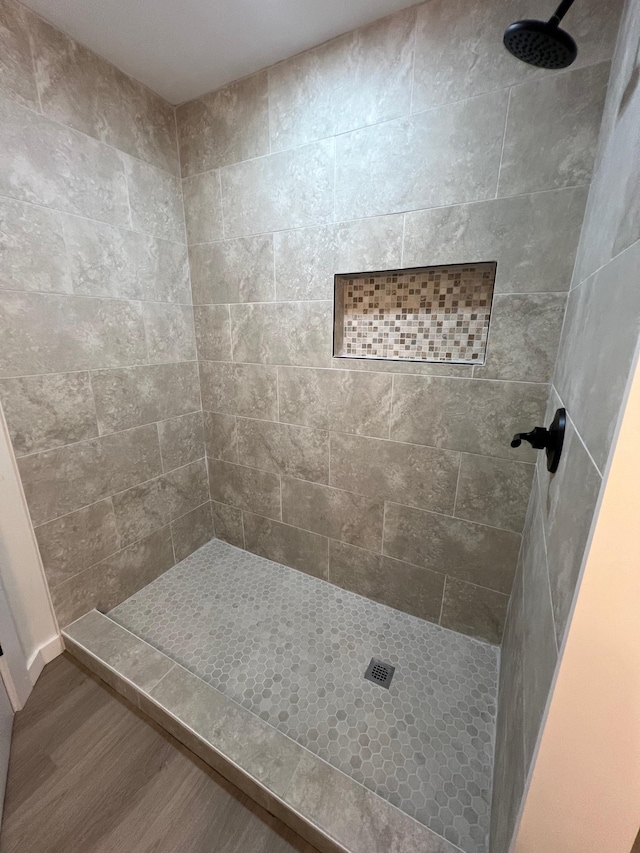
(293, 650)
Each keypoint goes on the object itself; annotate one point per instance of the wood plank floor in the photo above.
(89, 774)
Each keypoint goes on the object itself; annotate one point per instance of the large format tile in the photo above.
(44, 412)
(284, 449)
(612, 220)
(447, 155)
(604, 311)
(493, 491)
(466, 551)
(474, 33)
(169, 330)
(245, 488)
(307, 258)
(400, 585)
(335, 399)
(363, 77)
(249, 390)
(466, 414)
(284, 190)
(425, 477)
(569, 498)
(297, 333)
(203, 207)
(192, 531)
(32, 249)
(473, 610)
(110, 261)
(533, 238)
(106, 584)
(155, 197)
(146, 507)
(523, 337)
(552, 131)
(227, 524)
(76, 541)
(221, 436)
(213, 332)
(335, 513)
(57, 167)
(225, 126)
(181, 440)
(142, 395)
(239, 270)
(16, 71)
(46, 333)
(131, 657)
(308, 552)
(67, 478)
(84, 91)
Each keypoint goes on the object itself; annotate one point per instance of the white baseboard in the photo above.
(42, 656)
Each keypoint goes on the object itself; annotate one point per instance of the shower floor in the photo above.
(293, 650)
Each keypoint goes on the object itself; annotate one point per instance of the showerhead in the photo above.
(542, 43)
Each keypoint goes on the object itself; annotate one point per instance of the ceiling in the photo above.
(184, 48)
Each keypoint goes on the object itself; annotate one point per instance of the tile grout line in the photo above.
(504, 139)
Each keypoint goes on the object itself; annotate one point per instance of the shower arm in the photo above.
(560, 12)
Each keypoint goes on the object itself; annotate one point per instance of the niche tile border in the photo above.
(423, 314)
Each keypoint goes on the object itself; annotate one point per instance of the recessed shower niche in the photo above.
(436, 313)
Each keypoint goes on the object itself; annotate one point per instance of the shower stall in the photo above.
(262, 359)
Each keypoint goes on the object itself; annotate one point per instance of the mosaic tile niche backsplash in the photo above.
(427, 314)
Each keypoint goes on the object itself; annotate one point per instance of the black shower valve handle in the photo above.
(537, 438)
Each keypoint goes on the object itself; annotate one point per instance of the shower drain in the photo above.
(380, 672)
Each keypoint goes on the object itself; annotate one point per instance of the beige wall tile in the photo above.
(227, 524)
(552, 131)
(335, 513)
(181, 440)
(76, 541)
(203, 207)
(44, 412)
(221, 437)
(169, 331)
(59, 481)
(474, 610)
(239, 270)
(249, 390)
(17, 78)
(110, 261)
(299, 333)
(155, 198)
(46, 333)
(289, 189)
(143, 395)
(419, 476)
(284, 449)
(281, 543)
(84, 91)
(533, 238)
(245, 488)
(409, 588)
(225, 126)
(427, 410)
(466, 551)
(361, 78)
(335, 399)
(213, 332)
(436, 158)
(192, 531)
(493, 491)
(51, 165)
(32, 248)
(106, 584)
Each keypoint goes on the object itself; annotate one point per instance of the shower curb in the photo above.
(326, 807)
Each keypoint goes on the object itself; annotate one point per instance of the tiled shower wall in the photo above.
(597, 349)
(98, 371)
(418, 140)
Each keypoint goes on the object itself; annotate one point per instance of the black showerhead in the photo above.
(542, 43)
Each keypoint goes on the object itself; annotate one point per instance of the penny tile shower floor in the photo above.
(293, 650)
